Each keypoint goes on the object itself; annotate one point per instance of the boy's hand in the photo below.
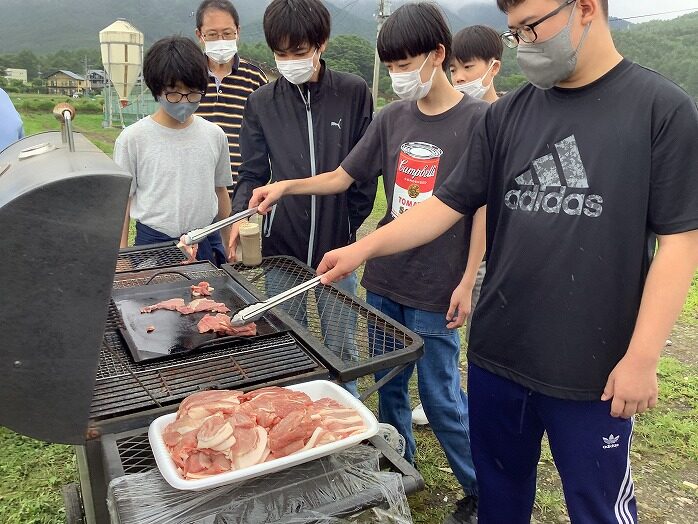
(264, 198)
(233, 242)
(461, 301)
(339, 264)
(632, 385)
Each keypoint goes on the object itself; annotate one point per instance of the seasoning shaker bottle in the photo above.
(251, 243)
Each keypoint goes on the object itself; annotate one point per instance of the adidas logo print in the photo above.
(546, 190)
(611, 441)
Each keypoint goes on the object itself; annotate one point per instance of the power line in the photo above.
(654, 14)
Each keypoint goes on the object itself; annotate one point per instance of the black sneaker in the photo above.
(465, 513)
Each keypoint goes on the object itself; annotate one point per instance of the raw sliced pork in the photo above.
(200, 305)
(171, 305)
(221, 324)
(218, 431)
(202, 289)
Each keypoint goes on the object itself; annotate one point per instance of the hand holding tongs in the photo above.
(255, 311)
(197, 235)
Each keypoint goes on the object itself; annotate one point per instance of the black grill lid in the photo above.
(61, 214)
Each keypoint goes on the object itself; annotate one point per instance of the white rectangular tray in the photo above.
(315, 390)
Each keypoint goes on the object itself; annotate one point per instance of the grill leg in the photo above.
(73, 507)
(389, 376)
(92, 483)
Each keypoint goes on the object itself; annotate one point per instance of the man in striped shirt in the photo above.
(231, 79)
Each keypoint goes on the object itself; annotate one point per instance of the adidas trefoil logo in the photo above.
(545, 191)
(611, 441)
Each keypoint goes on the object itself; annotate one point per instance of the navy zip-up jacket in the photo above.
(276, 143)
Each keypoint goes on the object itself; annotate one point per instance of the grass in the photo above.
(689, 315)
(31, 476)
(32, 472)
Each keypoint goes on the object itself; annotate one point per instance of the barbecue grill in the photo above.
(74, 380)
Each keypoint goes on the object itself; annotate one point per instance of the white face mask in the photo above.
(409, 85)
(221, 51)
(297, 71)
(476, 88)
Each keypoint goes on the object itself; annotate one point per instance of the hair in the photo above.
(505, 5)
(477, 42)
(216, 5)
(175, 59)
(412, 30)
(289, 24)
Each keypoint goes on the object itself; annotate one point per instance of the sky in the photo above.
(623, 8)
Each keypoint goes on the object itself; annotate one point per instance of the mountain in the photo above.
(44, 26)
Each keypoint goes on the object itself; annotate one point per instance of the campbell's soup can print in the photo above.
(415, 175)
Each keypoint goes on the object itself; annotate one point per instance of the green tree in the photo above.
(351, 54)
(27, 60)
(258, 52)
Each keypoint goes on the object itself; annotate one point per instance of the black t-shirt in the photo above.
(416, 153)
(577, 183)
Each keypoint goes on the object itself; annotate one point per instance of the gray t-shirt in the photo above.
(175, 173)
(416, 153)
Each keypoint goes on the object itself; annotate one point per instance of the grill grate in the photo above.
(135, 454)
(125, 386)
(360, 340)
(149, 257)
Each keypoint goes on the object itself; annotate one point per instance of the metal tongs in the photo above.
(197, 235)
(255, 311)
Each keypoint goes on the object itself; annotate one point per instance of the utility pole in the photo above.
(87, 80)
(383, 13)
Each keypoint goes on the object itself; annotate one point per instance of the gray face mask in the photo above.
(547, 63)
(180, 111)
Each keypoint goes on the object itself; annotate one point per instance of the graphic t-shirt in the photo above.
(577, 183)
(416, 153)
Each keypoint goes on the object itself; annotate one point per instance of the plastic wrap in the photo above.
(331, 490)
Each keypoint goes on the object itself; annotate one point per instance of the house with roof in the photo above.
(64, 82)
(96, 80)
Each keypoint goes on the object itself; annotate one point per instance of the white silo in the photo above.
(122, 55)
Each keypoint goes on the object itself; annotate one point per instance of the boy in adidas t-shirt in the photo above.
(415, 143)
(582, 171)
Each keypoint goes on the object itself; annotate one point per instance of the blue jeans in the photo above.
(438, 378)
(337, 319)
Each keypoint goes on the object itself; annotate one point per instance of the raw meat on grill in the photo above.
(189, 251)
(200, 305)
(202, 289)
(218, 431)
(221, 324)
(171, 305)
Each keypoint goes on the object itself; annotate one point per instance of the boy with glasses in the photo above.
(231, 78)
(584, 171)
(179, 161)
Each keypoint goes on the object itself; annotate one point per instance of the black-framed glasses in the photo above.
(175, 97)
(527, 33)
(228, 34)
